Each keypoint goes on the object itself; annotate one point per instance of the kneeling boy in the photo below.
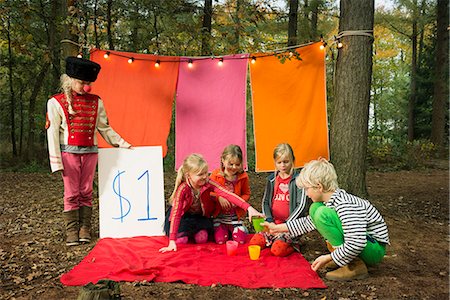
(355, 231)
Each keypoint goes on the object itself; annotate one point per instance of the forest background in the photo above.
(397, 121)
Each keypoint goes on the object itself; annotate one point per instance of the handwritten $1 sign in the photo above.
(131, 192)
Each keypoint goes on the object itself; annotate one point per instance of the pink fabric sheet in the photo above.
(138, 259)
(211, 108)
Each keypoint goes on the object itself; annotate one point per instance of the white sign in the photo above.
(131, 192)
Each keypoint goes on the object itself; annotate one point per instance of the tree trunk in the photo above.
(237, 32)
(109, 24)
(349, 126)
(53, 43)
(206, 28)
(96, 41)
(413, 77)
(292, 26)
(135, 28)
(12, 97)
(314, 19)
(72, 32)
(155, 28)
(31, 110)
(441, 76)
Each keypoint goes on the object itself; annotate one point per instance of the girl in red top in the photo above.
(192, 204)
(231, 176)
(282, 201)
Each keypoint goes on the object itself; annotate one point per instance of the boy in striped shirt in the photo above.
(355, 231)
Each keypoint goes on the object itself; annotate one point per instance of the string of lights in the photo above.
(282, 53)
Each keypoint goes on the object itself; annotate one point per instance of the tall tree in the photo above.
(349, 124)
(11, 88)
(441, 75)
(206, 27)
(109, 4)
(413, 82)
(292, 25)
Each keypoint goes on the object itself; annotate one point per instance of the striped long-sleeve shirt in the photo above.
(359, 218)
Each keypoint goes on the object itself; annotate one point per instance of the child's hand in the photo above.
(225, 204)
(273, 228)
(320, 262)
(254, 213)
(172, 247)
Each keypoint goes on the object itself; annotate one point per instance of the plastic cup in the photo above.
(256, 221)
(254, 251)
(232, 248)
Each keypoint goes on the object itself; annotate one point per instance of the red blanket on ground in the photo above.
(138, 259)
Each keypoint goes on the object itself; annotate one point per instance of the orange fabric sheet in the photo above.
(138, 97)
(289, 105)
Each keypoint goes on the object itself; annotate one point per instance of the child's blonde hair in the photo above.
(318, 171)
(194, 163)
(232, 151)
(66, 88)
(284, 149)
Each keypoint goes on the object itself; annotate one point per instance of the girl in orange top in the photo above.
(231, 176)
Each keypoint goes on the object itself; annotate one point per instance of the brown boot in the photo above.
(354, 270)
(71, 218)
(330, 266)
(85, 224)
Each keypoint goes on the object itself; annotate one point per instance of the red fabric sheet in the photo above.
(138, 259)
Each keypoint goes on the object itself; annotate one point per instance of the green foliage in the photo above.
(397, 153)
(174, 28)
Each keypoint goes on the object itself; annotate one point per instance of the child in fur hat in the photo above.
(73, 119)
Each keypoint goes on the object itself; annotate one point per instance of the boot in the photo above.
(71, 217)
(220, 234)
(85, 224)
(354, 270)
(239, 236)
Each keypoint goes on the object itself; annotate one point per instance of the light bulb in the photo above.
(130, 60)
(190, 64)
(106, 55)
(157, 63)
(220, 63)
(253, 59)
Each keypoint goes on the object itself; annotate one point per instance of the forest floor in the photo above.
(415, 205)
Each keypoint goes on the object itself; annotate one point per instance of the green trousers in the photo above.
(329, 226)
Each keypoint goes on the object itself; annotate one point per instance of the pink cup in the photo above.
(232, 248)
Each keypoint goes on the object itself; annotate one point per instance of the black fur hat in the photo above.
(82, 69)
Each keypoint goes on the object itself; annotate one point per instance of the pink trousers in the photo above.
(78, 177)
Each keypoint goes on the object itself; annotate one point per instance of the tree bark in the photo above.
(314, 19)
(349, 126)
(292, 26)
(109, 24)
(71, 33)
(237, 32)
(441, 76)
(206, 27)
(12, 97)
(31, 110)
(413, 76)
(96, 40)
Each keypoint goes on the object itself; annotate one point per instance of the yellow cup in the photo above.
(254, 251)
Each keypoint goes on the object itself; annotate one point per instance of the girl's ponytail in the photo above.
(180, 178)
(66, 87)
